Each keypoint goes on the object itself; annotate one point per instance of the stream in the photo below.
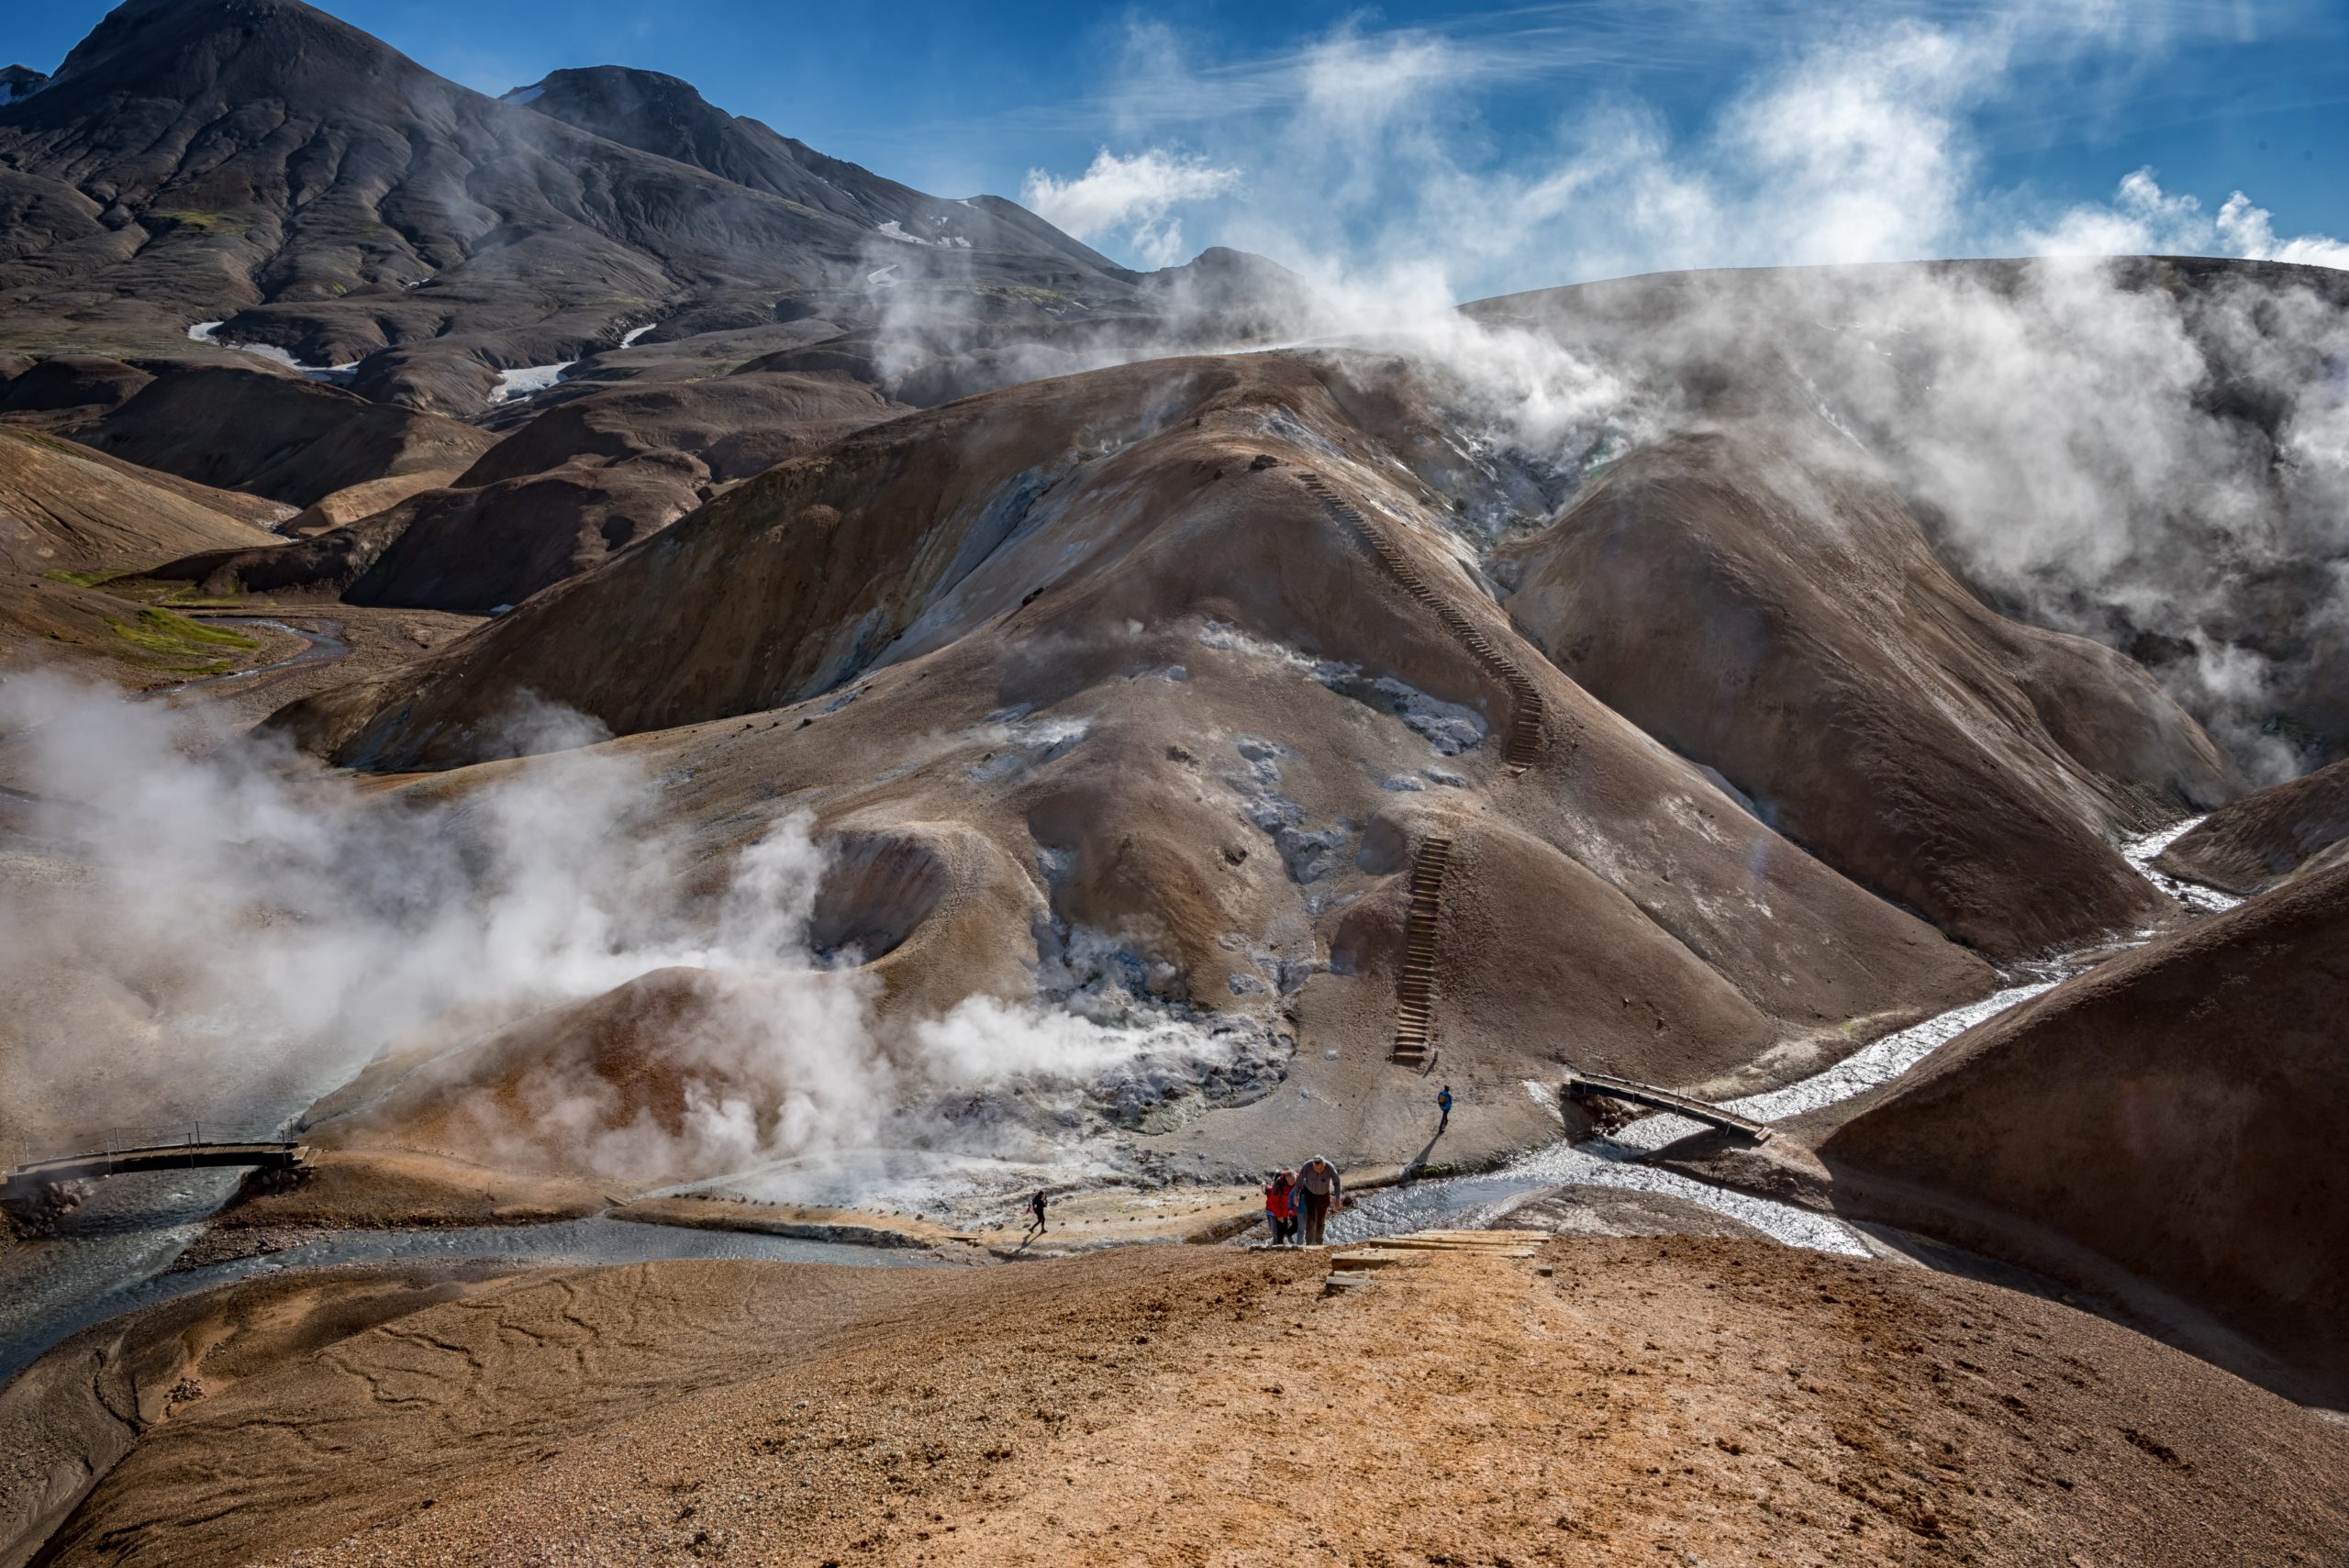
(324, 646)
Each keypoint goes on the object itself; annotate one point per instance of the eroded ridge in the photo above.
(1415, 982)
(1522, 744)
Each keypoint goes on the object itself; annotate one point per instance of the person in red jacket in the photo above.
(1280, 1207)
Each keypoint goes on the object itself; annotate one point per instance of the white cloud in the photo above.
(2144, 220)
(1367, 156)
(2246, 228)
(1130, 196)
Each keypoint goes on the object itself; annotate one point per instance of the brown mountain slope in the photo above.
(364, 499)
(279, 436)
(1786, 622)
(583, 479)
(2254, 843)
(2174, 1115)
(70, 516)
(65, 507)
(467, 550)
(1105, 623)
(733, 426)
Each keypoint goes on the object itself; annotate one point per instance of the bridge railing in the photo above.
(119, 1139)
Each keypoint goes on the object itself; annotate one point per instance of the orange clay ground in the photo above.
(1661, 1400)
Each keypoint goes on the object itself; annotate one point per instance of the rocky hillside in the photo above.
(259, 165)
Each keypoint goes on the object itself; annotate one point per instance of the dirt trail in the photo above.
(1653, 1400)
(1462, 1410)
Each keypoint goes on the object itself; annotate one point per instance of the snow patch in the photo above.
(529, 95)
(333, 376)
(1471, 1203)
(896, 230)
(629, 337)
(528, 382)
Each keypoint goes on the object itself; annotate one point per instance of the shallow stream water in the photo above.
(324, 646)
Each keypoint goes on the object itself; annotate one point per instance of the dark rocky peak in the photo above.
(643, 109)
(226, 51)
(663, 115)
(19, 82)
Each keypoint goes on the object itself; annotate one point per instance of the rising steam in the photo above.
(202, 928)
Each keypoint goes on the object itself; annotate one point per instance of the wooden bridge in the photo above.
(1579, 1084)
(27, 1184)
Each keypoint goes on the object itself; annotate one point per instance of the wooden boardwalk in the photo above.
(1579, 1084)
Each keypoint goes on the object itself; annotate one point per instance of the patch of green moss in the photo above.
(47, 443)
(79, 579)
(166, 635)
(1042, 298)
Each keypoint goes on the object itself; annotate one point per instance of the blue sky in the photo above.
(1474, 149)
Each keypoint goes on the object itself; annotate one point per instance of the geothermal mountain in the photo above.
(679, 676)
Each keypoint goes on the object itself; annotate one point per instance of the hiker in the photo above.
(1443, 1104)
(1280, 1207)
(1324, 1195)
(1035, 1218)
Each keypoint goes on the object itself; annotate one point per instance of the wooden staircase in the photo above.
(1415, 982)
(1522, 744)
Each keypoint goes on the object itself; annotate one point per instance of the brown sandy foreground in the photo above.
(1658, 1400)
